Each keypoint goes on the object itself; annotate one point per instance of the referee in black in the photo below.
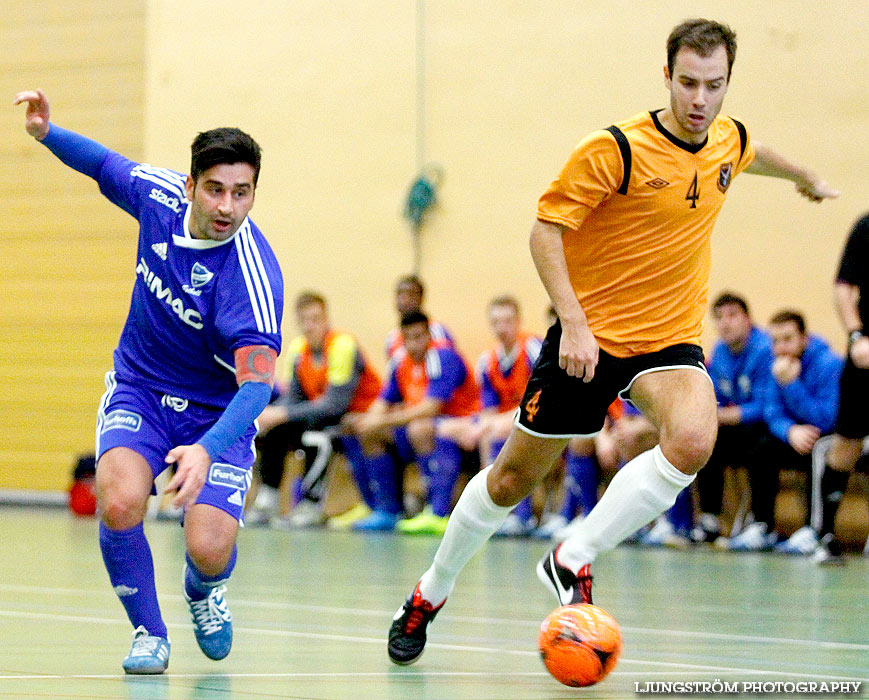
(852, 303)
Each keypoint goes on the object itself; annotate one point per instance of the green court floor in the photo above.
(311, 610)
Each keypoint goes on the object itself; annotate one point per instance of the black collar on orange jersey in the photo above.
(684, 145)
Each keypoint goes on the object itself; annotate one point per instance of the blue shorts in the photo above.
(152, 423)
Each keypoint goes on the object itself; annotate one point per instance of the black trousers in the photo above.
(739, 445)
(775, 455)
(273, 448)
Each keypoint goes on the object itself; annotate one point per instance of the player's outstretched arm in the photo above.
(76, 151)
(36, 117)
(773, 164)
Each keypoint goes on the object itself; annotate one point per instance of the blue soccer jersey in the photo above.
(195, 301)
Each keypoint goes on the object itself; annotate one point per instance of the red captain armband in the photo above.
(255, 363)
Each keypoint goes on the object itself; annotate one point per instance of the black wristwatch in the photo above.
(854, 336)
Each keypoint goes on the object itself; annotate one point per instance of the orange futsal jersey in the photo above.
(639, 205)
(340, 360)
(504, 389)
(443, 375)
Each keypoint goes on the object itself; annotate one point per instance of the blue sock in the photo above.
(681, 514)
(523, 509)
(443, 469)
(353, 452)
(582, 470)
(197, 585)
(570, 504)
(382, 480)
(495, 449)
(128, 560)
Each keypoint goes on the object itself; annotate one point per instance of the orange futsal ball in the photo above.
(579, 644)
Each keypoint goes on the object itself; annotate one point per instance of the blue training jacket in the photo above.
(741, 379)
(813, 398)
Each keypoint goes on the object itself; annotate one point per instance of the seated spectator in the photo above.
(409, 296)
(800, 406)
(740, 370)
(425, 380)
(329, 377)
(502, 373)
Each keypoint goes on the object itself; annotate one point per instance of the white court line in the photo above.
(416, 674)
(672, 666)
(361, 612)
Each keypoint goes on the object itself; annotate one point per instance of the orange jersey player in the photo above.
(621, 245)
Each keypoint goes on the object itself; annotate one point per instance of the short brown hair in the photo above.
(729, 298)
(411, 281)
(505, 300)
(790, 316)
(306, 299)
(703, 36)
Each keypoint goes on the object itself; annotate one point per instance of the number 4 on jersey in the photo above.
(693, 192)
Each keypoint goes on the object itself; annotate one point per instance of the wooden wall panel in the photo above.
(66, 268)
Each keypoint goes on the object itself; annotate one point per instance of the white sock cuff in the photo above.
(480, 489)
(668, 471)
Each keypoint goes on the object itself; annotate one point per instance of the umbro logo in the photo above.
(160, 249)
(658, 183)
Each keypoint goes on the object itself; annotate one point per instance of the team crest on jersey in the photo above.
(200, 275)
(724, 176)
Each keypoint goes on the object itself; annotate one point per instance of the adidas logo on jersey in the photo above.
(161, 249)
(235, 499)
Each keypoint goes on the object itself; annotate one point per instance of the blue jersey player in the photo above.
(193, 369)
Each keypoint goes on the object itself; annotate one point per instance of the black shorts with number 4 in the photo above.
(558, 405)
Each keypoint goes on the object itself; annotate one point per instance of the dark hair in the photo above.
(309, 298)
(505, 300)
(730, 298)
(223, 145)
(790, 316)
(411, 318)
(703, 36)
(413, 281)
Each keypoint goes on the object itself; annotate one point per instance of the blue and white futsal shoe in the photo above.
(149, 655)
(212, 623)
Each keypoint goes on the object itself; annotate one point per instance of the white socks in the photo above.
(641, 490)
(473, 521)
(266, 498)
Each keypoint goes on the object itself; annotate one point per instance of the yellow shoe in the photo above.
(345, 520)
(426, 523)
